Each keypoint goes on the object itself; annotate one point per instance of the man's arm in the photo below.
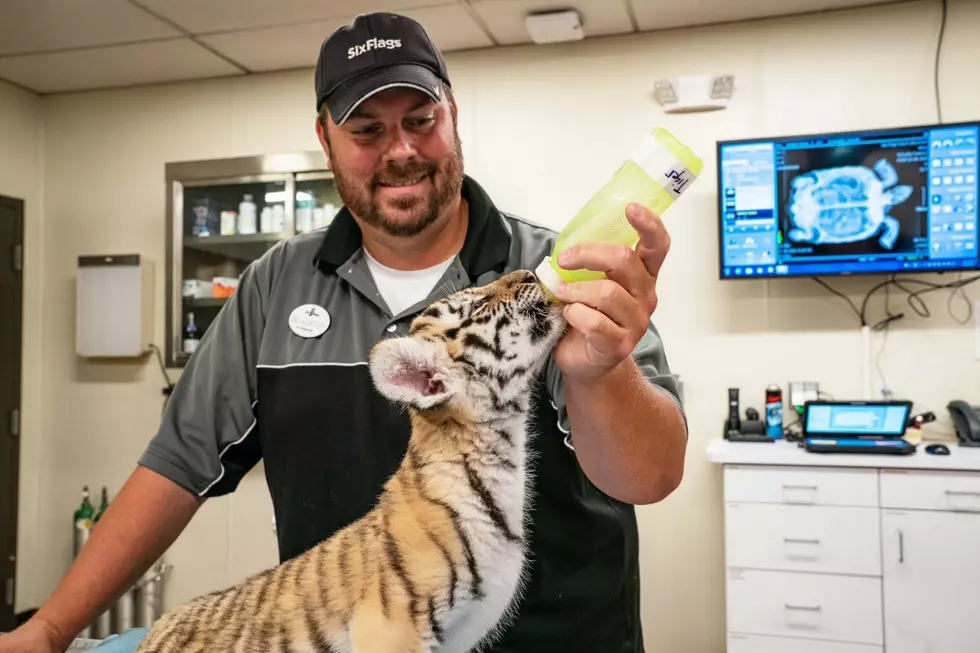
(145, 518)
(630, 436)
(627, 426)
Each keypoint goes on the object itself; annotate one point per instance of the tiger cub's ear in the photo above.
(407, 371)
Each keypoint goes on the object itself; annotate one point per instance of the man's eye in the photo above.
(423, 122)
(366, 130)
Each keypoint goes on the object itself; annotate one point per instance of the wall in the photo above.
(576, 109)
(21, 173)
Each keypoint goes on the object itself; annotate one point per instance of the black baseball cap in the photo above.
(375, 52)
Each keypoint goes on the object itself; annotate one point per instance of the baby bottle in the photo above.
(659, 171)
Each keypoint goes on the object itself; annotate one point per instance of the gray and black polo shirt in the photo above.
(306, 406)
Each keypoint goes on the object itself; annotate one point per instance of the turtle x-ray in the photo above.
(847, 204)
(852, 199)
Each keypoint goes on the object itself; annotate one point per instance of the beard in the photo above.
(361, 197)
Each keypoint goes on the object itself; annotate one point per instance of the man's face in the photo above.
(397, 161)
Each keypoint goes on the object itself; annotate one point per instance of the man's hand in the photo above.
(609, 316)
(32, 637)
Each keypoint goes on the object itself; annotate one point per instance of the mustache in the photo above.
(395, 174)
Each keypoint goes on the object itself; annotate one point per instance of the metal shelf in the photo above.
(242, 247)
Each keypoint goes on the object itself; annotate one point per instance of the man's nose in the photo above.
(400, 148)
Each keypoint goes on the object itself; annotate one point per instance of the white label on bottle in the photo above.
(309, 320)
(190, 345)
(676, 179)
(663, 167)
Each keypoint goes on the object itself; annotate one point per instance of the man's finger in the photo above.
(599, 331)
(606, 296)
(618, 262)
(654, 239)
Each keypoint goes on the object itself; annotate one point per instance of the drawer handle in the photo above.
(805, 608)
(787, 486)
(901, 546)
(798, 540)
(963, 493)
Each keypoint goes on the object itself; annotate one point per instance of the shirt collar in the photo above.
(487, 241)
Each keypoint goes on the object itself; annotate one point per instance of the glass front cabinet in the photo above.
(224, 214)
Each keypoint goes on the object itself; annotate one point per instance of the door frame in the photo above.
(9, 425)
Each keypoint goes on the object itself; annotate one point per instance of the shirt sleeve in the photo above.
(207, 440)
(650, 357)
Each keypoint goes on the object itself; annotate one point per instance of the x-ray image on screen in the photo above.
(852, 200)
(878, 201)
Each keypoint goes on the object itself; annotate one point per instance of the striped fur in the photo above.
(437, 565)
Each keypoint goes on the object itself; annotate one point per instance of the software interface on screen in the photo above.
(884, 201)
(870, 421)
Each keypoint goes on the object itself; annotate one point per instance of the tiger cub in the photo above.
(437, 565)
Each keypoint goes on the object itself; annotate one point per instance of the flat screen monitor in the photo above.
(877, 201)
(856, 419)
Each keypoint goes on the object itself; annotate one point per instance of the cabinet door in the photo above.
(931, 574)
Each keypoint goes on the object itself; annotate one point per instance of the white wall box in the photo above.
(113, 306)
(850, 553)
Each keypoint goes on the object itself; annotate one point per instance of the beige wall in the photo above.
(542, 128)
(21, 174)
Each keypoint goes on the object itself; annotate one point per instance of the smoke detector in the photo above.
(554, 26)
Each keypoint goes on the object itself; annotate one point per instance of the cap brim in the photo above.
(349, 95)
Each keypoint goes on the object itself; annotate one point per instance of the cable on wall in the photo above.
(913, 296)
(860, 314)
(939, 48)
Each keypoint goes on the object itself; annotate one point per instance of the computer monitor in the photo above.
(856, 419)
(875, 201)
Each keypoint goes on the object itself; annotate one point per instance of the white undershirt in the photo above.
(403, 288)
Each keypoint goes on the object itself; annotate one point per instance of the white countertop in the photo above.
(781, 452)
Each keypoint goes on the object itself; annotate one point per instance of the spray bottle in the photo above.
(660, 170)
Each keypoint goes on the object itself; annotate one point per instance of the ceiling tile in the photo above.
(121, 65)
(274, 48)
(297, 46)
(505, 18)
(44, 25)
(657, 14)
(450, 27)
(204, 16)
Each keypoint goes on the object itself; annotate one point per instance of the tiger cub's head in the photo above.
(475, 352)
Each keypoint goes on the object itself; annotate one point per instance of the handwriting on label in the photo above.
(678, 178)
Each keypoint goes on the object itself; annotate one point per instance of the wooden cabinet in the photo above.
(850, 553)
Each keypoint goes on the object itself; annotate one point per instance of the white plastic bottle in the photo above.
(247, 216)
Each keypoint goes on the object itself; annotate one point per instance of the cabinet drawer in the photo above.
(766, 644)
(832, 539)
(930, 490)
(802, 485)
(802, 605)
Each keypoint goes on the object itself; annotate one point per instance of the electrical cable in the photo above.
(860, 314)
(163, 367)
(913, 298)
(939, 47)
(169, 387)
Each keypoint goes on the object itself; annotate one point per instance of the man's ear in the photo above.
(405, 370)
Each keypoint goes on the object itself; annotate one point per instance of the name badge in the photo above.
(309, 320)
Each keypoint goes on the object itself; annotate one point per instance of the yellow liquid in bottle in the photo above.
(655, 177)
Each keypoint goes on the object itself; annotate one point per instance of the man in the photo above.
(280, 374)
